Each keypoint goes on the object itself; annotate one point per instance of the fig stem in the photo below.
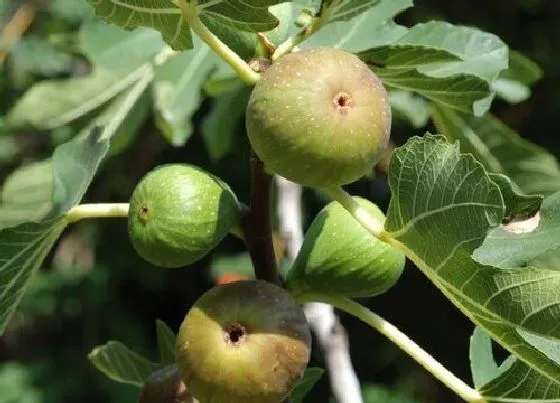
(229, 56)
(390, 331)
(370, 223)
(314, 25)
(256, 224)
(97, 210)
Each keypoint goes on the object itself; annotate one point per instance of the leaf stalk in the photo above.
(400, 339)
(97, 210)
(239, 65)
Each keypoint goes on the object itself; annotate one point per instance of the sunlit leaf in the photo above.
(121, 364)
(513, 380)
(446, 197)
(377, 22)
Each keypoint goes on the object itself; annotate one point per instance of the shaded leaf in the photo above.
(68, 99)
(26, 194)
(113, 48)
(70, 10)
(459, 92)
(220, 125)
(39, 56)
(306, 383)
(501, 150)
(121, 63)
(22, 250)
(373, 393)
(522, 69)
(121, 364)
(177, 91)
(166, 343)
(410, 107)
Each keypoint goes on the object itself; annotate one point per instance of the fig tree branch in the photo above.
(256, 224)
(321, 317)
(16, 27)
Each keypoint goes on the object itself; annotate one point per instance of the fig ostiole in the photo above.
(319, 117)
(178, 213)
(339, 256)
(243, 342)
(165, 386)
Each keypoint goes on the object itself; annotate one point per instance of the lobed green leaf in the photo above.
(447, 198)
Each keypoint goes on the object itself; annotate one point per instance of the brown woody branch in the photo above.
(257, 226)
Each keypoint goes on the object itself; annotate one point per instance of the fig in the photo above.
(243, 342)
(339, 256)
(165, 386)
(178, 213)
(319, 117)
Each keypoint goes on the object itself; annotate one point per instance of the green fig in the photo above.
(178, 213)
(339, 256)
(165, 386)
(243, 342)
(319, 117)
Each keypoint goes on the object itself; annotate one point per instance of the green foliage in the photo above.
(306, 383)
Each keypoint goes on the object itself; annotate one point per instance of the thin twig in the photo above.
(15, 28)
(256, 224)
(330, 333)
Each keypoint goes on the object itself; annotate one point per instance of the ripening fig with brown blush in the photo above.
(319, 117)
(243, 342)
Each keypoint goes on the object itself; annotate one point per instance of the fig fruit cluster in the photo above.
(319, 117)
(243, 342)
(178, 213)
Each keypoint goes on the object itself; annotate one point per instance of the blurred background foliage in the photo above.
(93, 287)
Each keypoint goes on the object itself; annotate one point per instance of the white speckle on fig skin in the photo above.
(341, 146)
